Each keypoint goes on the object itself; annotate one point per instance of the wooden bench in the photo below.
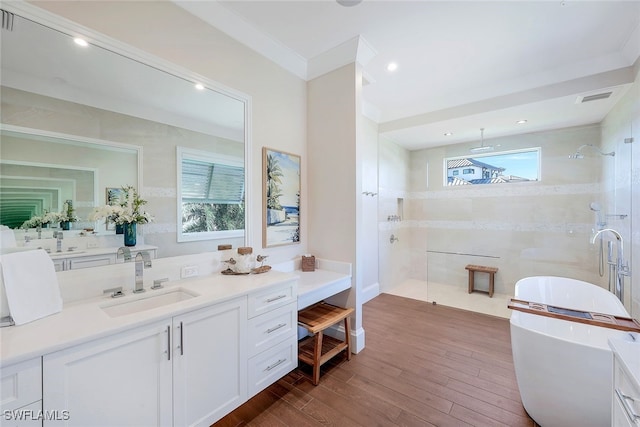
(317, 349)
(482, 269)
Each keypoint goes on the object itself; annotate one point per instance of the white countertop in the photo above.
(314, 286)
(85, 320)
(628, 352)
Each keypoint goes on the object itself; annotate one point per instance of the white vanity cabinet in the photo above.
(209, 350)
(74, 263)
(625, 410)
(21, 394)
(121, 380)
(183, 371)
(70, 261)
(273, 336)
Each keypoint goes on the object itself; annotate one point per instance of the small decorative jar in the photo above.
(245, 261)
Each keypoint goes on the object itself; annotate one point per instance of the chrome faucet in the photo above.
(621, 267)
(125, 252)
(143, 260)
(59, 236)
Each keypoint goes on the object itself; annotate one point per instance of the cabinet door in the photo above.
(210, 356)
(60, 264)
(20, 384)
(121, 380)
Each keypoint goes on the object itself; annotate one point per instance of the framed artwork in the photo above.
(112, 197)
(280, 198)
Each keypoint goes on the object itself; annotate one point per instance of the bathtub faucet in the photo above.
(621, 267)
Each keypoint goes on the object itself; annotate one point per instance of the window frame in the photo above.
(204, 156)
(538, 150)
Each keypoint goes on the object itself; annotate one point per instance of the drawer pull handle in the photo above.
(627, 408)
(276, 298)
(181, 340)
(278, 363)
(275, 328)
(168, 342)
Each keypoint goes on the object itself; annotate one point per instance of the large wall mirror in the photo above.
(50, 85)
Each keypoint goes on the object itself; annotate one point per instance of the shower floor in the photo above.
(454, 296)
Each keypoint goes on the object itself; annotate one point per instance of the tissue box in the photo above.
(308, 263)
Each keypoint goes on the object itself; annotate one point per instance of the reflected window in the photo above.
(495, 168)
(211, 195)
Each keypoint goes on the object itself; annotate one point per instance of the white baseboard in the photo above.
(357, 337)
(370, 292)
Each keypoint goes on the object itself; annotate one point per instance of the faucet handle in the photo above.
(157, 284)
(115, 292)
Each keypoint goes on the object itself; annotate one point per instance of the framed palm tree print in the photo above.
(280, 198)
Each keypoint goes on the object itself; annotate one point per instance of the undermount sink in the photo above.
(149, 301)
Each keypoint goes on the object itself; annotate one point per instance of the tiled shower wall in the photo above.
(524, 229)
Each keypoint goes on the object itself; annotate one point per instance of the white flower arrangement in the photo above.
(40, 220)
(128, 209)
(66, 214)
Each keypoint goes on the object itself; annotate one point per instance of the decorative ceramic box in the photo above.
(308, 263)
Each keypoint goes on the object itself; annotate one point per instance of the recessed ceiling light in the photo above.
(392, 66)
(199, 86)
(521, 122)
(81, 42)
(448, 134)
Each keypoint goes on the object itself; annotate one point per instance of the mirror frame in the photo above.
(74, 29)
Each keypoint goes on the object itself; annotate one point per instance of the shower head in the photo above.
(482, 148)
(579, 155)
(595, 206)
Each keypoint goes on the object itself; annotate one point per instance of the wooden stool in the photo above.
(317, 349)
(482, 269)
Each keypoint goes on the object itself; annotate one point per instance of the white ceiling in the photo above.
(462, 65)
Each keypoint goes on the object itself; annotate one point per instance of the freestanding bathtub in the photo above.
(564, 368)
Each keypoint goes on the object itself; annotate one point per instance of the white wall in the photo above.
(335, 178)
(395, 258)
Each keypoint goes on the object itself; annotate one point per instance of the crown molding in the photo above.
(225, 20)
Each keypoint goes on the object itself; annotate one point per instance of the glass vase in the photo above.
(130, 234)
(119, 229)
(65, 225)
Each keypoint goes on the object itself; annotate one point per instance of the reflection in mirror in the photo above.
(38, 174)
(211, 189)
(51, 84)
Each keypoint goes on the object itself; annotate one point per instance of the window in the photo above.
(210, 195)
(504, 167)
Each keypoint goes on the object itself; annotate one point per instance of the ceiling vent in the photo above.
(7, 20)
(593, 97)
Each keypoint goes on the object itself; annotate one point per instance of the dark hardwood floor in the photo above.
(423, 365)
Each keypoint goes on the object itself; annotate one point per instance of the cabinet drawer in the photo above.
(627, 395)
(268, 366)
(21, 384)
(94, 261)
(272, 327)
(267, 300)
